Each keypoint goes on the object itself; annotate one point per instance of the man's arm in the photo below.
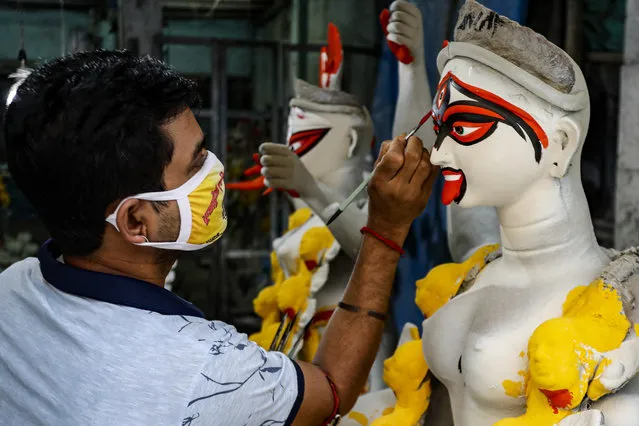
(398, 193)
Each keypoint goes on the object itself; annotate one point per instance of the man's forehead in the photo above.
(184, 128)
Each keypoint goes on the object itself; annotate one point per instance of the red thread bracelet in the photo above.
(330, 420)
(391, 244)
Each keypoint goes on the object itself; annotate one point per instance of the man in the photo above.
(106, 148)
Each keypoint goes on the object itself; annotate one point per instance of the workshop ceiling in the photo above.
(173, 9)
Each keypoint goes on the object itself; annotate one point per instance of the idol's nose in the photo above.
(442, 155)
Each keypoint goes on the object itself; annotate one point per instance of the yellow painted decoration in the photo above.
(514, 389)
(358, 417)
(404, 373)
(596, 389)
(298, 218)
(564, 352)
(294, 291)
(265, 305)
(443, 281)
(291, 294)
(265, 336)
(414, 333)
(517, 388)
(311, 343)
(315, 243)
(277, 274)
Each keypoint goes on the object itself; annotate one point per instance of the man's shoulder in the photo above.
(216, 338)
(28, 268)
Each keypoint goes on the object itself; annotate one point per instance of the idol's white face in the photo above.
(492, 135)
(322, 140)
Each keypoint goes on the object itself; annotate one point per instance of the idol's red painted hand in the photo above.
(400, 188)
(402, 25)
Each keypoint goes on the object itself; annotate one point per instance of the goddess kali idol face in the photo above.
(490, 151)
(320, 139)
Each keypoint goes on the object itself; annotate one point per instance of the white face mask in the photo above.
(201, 204)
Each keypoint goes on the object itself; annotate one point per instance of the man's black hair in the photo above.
(84, 131)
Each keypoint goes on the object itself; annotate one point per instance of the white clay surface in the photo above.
(548, 248)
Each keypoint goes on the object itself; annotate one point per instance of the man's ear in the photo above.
(565, 144)
(133, 220)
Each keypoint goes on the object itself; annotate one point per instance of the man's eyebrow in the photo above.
(198, 149)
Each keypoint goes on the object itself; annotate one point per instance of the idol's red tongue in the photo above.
(452, 189)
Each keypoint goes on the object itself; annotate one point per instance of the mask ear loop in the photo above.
(146, 240)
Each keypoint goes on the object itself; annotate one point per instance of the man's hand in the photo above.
(405, 27)
(400, 187)
(283, 169)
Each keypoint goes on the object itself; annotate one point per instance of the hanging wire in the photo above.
(213, 7)
(63, 41)
(22, 54)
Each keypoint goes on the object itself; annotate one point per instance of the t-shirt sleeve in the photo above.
(242, 384)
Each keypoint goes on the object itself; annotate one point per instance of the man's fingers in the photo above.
(423, 170)
(431, 178)
(382, 151)
(412, 157)
(392, 161)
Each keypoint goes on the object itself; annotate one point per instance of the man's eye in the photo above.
(459, 130)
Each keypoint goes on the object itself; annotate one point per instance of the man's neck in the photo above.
(141, 263)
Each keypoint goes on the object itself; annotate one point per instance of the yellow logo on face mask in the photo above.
(208, 199)
(214, 194)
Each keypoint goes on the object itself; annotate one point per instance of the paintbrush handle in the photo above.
(412, 132)
(347, 202)
(355, 193)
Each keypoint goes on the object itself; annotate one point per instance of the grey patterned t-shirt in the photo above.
(70, 360)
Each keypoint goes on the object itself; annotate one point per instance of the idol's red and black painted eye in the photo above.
(469, 121)
(305, 140)
(469, 132)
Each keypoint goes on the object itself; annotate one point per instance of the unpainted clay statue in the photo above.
(543, 333)
(326, 157)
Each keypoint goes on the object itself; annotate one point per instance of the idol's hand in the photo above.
(401, 185)
(584, 418)
(617, 368)
(283, 169)
(405, 27)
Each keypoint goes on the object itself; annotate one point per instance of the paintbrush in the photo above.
(347, 202)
